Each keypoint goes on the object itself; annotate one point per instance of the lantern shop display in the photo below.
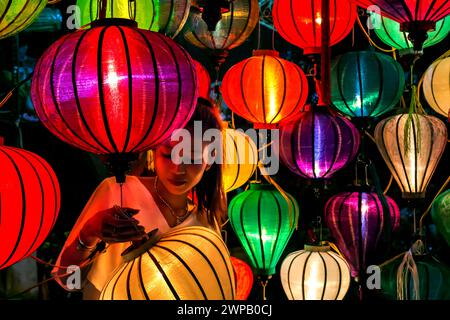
(436, 86)
(440, 212)
(244, 278)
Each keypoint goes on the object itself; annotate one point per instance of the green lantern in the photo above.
(389, 32)
(440, 211)
(165, 16)
(366, 83)
(264, 220)
(16, 15)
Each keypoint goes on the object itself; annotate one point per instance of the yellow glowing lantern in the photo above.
(241, 158)
(436, 86)
(315, 273)
(188, 263)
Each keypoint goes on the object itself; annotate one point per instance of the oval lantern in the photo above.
(366, 84)
(265, 89)
(389, 32)
(436, 86)
(300, 22)
(114, 89)
(411, 151)
(188, 263)
(29, 203)
(165, 16)
(318, 144)
(315, 273)
(263, 220)
(356, 221)
(241, 159)
(244, 278)
(203, 80)
(440, 211)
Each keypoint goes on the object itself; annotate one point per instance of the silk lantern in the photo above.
(366, 83)
(16, 15)
(203, 80)
(318, 144)
(300, 22)
(356, 221)
(263, 220)
(411, 146)
(244, 278)
(265, 89)
(388, 31)
(416, 17)
(436, 86)
(241, 159)
(440, 211)
(188, 263)
(114, 89)
(315, 273)
(165, 16)
(29, 203)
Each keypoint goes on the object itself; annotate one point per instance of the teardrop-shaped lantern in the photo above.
(440, 211)
(189, 263)
(366, 83)
(315, 273)
(300, 22)
(16, 15)
(29, 203)
(165, 16)
(203, 80)
(356, 221)
(244, 278)
(265, 89)
(436, 86)
(318, 144)
(264, 220)
(412, 155)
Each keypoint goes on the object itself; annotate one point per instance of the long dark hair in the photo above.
(209, 192)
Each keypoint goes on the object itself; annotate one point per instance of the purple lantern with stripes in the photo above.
(318, 144)
(356, 222)
(114, 89)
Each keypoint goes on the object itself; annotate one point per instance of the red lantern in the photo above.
(299, 22)
(265, 89)
(114, 89)
(244, 278)
(29, 203)
(203, 80)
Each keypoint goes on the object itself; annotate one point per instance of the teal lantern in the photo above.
(263, 219)
(440, 211)
(366, 83)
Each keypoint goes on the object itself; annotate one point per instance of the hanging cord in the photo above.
(17, 86)
(264, 285)
(369, 39)
(51, 2)
(259, 34)
(273, 38)
(233, 126)
(389, 185)
(412, 114)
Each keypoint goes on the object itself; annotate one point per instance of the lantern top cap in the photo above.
(317, 248)
(272, 53)
(255, 185)
(105, 22)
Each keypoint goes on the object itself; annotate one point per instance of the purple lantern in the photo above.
(318, 144)
(356, 222)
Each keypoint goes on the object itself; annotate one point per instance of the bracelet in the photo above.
(82, 246)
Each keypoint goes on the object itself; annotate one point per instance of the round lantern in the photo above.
(244, 278)
(29, 203)
(411, 146)
(203, 80)
(416, 17)
(189, 263)
(241, 159)
(300, 22)
(114, 89)
(234, 27)
(318, 144)
(264, 220)
(16, 15)
(440, 211)
(436, 86)
(165, 16)
(366, 84)
(388, 31)
(315, 273)
(356, 221)
(265, 89)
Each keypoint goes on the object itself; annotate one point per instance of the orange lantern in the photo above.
(265, 89)
(244, 278)
(203, 80)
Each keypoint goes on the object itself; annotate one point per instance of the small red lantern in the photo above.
(244, 278)
(29, 203)
(203, 80)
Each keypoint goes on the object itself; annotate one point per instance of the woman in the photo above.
(117, 215)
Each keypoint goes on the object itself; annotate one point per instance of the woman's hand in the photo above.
(112, 225)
